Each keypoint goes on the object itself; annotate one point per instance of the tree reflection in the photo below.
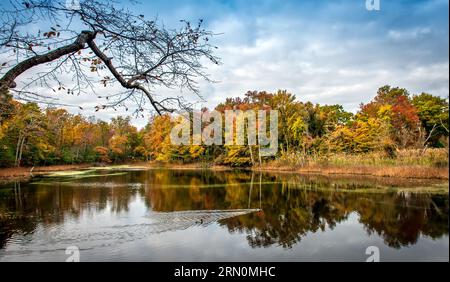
(290, 205)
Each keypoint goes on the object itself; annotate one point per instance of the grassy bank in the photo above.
(24, 173)
(413, 164)
(418, 172)
(429, 164)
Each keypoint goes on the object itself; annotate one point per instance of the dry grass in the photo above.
(429, 158)
(431, 164)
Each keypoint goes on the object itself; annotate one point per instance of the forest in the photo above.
(393, 123)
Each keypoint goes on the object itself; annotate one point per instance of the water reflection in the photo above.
(271, 210)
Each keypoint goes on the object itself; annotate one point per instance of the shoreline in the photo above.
(25, 173)
(402, 172)
(399, 172)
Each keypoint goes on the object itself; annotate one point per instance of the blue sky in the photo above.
(330, 51)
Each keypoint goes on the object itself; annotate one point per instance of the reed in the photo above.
(428, 164)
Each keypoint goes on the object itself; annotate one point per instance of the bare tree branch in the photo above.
(8, 79)
(139, 54)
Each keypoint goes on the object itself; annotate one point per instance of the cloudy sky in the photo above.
(330, 51)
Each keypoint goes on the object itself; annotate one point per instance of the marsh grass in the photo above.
(435, 158)
(428, 164)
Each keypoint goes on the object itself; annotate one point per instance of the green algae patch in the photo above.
(69, 173)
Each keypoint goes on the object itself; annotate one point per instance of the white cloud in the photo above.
(401, 35)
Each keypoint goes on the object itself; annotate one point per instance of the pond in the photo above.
(130, 214)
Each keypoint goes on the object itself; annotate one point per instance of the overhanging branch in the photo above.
(7, 81)
(128, 84)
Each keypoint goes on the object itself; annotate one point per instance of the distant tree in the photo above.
(393, 105)
(433, 114)
(28, 129)
(157, 138)
(100, 38)
(102, 154)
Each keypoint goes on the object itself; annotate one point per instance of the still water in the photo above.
(186, 215)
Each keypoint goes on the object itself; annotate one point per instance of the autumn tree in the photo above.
(124, 138)
(157, 138)
(393, 105)
(57, 120)
(28, 128)
(433, 115)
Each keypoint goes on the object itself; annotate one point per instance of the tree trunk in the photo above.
(251, 154)
(286, 138)
(61, 138)
(17, 149)
(20, 152)
(259, 155)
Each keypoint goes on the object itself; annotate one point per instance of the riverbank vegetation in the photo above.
(394, 134)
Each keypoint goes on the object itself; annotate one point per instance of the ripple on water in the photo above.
(101, 236)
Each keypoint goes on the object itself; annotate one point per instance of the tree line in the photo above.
(393, 120)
